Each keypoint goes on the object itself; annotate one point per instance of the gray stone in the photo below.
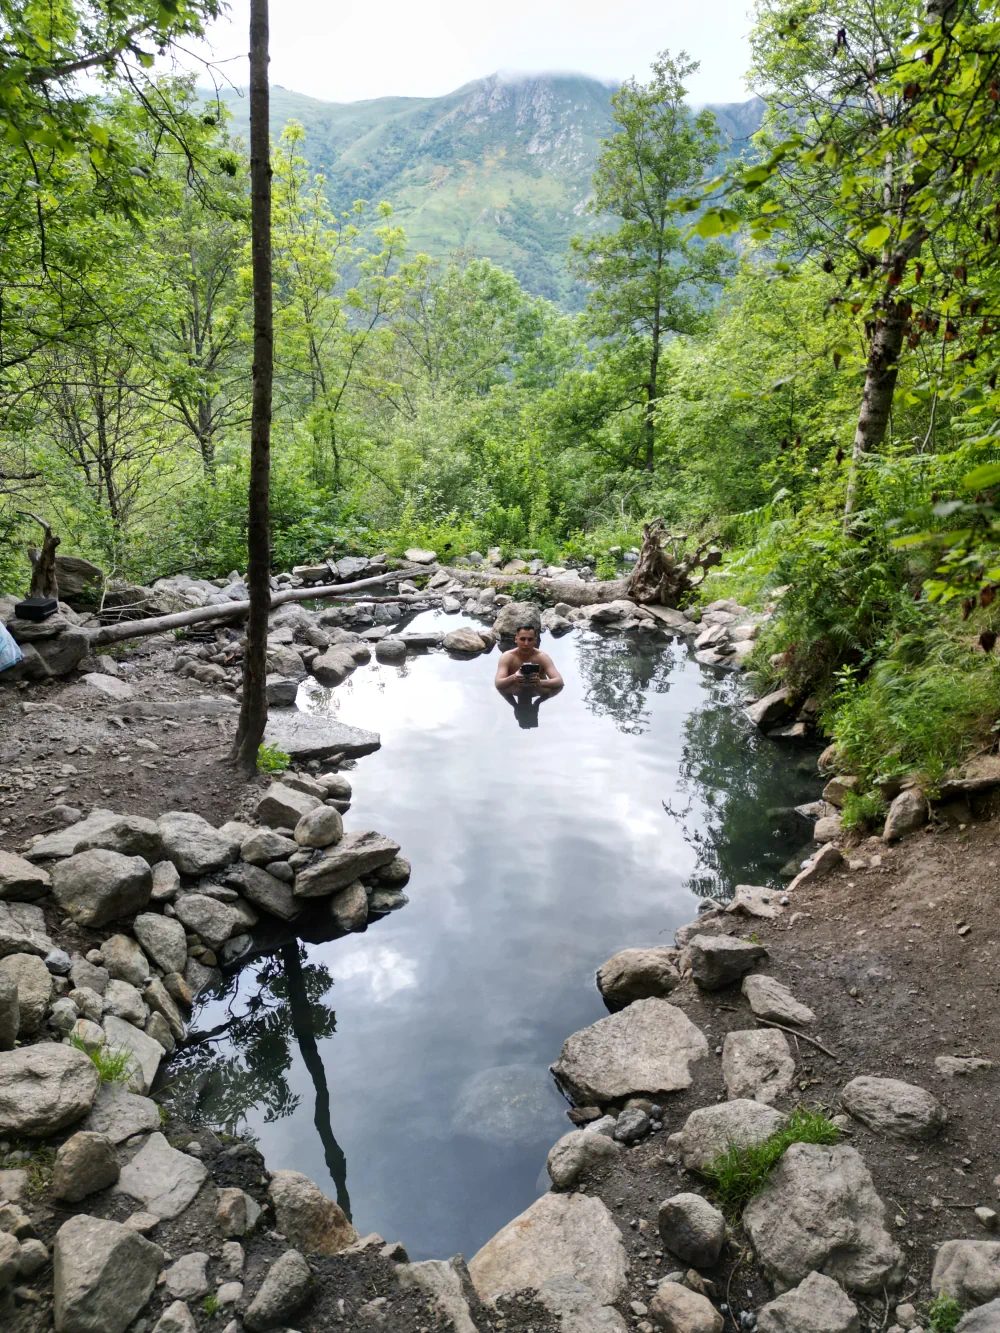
(21, 880)
(816, 1305)
(86, 1034)
(677, 1309)
(45, 1088)
(233, 1258)
(124, 960)
(34, 989)
(464, 641)
(390, 649)
(559, 1235)
(281, 690)
(304, 736)
(349, 907)
(357, 854)
(66, 841)
(907, 813)
(193, 845)
(187, 1279)
(63, 1015)
(757, 1063)
(88, 1003)
(396, 873)
(119, 1115)
(58, 962)
(176, 1318)
(718, 960)
(819, 1213)
(604, 1125)
(282, 1292)
(334, 665)
(198, 978)
(632, 1125)
(157, 1027)
(124, 1001)
(984, 1320)
(161, 1002)
(306, 1216)
(10, 1012)
(574, 1306)
(264, 890)
(889, 1106)
(230, 1293)
(163, 939)
(968, 1271)
(22, 930)
(952, 1066)
(647, 1048)
(817, 867)
(575, 1153)
(264, 845)
(97, 886)
(86, 975)
(146, 1053)
(770, 999)
(215, 922)
(771, 709)
(282, 806)
(638, 974)
(709, 1131)
(162, 1179)
(692, 1229)
(321, 827)
(84, 1164)
(385, 900)
(129, 835)
(32, 1259)
(448, 1286)
(10, 1261)
(166, 882)
(13, 1185)
(515, 614)
(104, 1275)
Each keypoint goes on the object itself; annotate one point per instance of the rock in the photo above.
(321, 827)
(334, 665)
(84, 1164)
(710, 1130)
(304, 736)
(45, 1088)
(125, 961)
(21, 880)
(889, 1106)
(176, 1318)
(10, 1012)
(199, 978)
(448, 1286)
(647, 1048)
(771, 709)
(282, 1292)
(32, 1259)
(13, 1185)
(88, 1034)
(718, 960)
(515, 614)
(193, 845)
(358, 853)
(984, 1320)
(119, 1115)
(22, 930)
(88, 976)
(10, 1262)
(758, 1064)
(349, 907)
(637, 974)
(124, 1001)
(162, 1179)
(129, 835)
(632, 1125)
(63, 1015)
(575, 1153)
(416, 555)
(265, 890)
(34, 989)
(231, 1213)
(163, 939)
(177, 987)
(907, 813)
(97, 886)
(968, 1271)
(157, 1027)
(837, 788)
(281, 690)
(306, 1216)
(573, 1305)
(264, 845)
(166, 882)
(104, 1275)
(951, 1066)
(396, 873)
(146, 1053)
(390, 649)
(770, 999)
(816, 1305)
(58, 962)
(677, 1309)
(692, 1229)
(463, 641)
(828, 829)
(215, 922)
(819, 1212)
(559, 1235)
(187, 1279)
(987, 1218)
(386, 900)
(817, 867)
(283, 806)
(161, 1002)
(80, 581)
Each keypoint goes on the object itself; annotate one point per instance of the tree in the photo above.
(646, 280)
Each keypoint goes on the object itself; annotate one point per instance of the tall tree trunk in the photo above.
(649, 419)
(881, 373)
(253, 713)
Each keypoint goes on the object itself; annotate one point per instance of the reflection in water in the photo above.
(526, 705)
(537, 853)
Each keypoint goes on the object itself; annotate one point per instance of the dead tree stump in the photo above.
(662, 576)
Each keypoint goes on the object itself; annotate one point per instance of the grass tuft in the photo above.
(210, 1305)
(863, 812)
(740, 1173)
(113, 1066)
(271, 760)
(944, 1314)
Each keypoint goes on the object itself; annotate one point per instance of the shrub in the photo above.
(742, 1172)
(271, 760)
(944, 1314)
(863, 811)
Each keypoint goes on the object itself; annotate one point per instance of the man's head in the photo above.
(525, 637)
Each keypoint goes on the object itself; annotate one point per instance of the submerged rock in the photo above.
(507, 1104)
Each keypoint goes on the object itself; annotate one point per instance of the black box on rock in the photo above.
(36, 608)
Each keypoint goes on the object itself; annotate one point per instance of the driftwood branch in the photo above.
(43, 563)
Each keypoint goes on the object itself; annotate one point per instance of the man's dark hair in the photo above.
(528, 627)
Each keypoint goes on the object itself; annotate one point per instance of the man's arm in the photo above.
(508, 672)
(552, 679)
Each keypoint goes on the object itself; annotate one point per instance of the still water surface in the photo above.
(405, 1069)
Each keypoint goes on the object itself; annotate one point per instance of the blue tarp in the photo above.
(10, 654)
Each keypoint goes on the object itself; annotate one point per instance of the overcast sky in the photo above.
(345, 53)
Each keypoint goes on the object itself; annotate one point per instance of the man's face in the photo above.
(524, 640)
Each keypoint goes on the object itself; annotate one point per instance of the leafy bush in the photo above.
(944, 1314)
(863, 810)
(740, 1173)
(271, 760)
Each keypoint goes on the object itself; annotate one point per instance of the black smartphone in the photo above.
(529, 668)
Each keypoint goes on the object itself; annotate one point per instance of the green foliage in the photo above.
(272, 760)
(113, 1065)
(210, 1305)
(740, 1173)
(863, 810)
(944, 1314)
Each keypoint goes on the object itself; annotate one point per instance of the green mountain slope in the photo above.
(500, 167)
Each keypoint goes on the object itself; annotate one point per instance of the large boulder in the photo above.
(575, 1153)
(22, 930)
(333, 666)
(757, 1063)
(447, 1285)
(80, 581)
(162, 1179)
(194, 846)
(514, 615)
(45, 1088)
(145, 1052)
(129, 835)
(283, 1290)
(304, 736)
(163, 939)
(890, 1106)
(104, 1273)
(560, 1235)
(692, 1229)
(119, 1115)
(85, 1163)
(358, 853)
(98, 886)
(638, 974)
(20, 880)
(647, 1048)
(816, 1305)
(718, 960)
(214, 921)
(306, 1216)
(709, 1131)
(34, 989)
(769, 998)
(678, 1309)
(819, 1213)
(968, 1271)
(771, 709)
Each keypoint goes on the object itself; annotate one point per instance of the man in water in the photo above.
(526, 668)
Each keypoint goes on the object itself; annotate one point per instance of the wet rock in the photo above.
(718, 960)
(45, 1088)
(772, 709)
(559, 1234)
(193, 845)
(215, 922)
(907, 813)
(21, 880)
(146, 1053)
(710, 1130)
(984, 1320)
(816, 1305)
(968, 1271)
(575, 1153)
(10, 1012)
(448, 1287)
(889, 1106)
(819, 1213)
(358, 853)
(104, 1273)
(163, 939)
(757, 1064)
(677, 1309)
(692, 1229)
(84, 1164)
(637, 974)
(176, 1318)
(321, 827)
(187, 1279)
(647, 1048)
(464, 641)
(34, 989)
(306, 1216)
(125, 960)
(282, 1292)
(349, 907)
(162, 1179)
(97, 886)
(264, 845)
(265, 890)
(118, 1115)
(769, 998)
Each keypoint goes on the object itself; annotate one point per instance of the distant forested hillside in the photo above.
(501, 166)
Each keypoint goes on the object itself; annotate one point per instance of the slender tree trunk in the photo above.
(253, 713)
(649, 420)
(881, 373)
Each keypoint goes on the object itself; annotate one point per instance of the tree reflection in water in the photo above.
(618, 673)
